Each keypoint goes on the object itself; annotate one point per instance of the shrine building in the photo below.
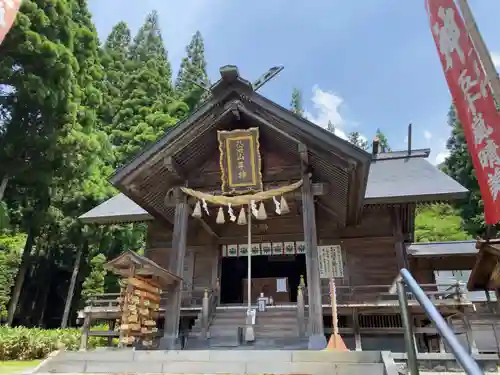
(337, 209)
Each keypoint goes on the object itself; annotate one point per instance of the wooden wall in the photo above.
(368, 249)
(200, 264)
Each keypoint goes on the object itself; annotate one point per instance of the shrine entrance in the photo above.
(277, 276)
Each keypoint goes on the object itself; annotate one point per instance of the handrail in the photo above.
(405, 278)
(210, 301)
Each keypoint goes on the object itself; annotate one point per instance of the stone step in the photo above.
(214, 362)
(276, 335)
(276, 327)
(290, 321)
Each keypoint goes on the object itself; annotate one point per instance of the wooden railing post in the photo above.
(217, 291)
(462, 290)
(301, 306)
(84, 339)
(204, 314)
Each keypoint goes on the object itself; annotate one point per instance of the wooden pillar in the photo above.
(176, 266)
(357, 334)
(397, 232)
(315, 327)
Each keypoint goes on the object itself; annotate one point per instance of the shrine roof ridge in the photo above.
(417, 153)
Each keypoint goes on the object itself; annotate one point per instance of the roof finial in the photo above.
(409, 139)
(375, 144)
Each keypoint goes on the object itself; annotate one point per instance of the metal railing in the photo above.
(376, 294)
(110, 300)
(406, 280)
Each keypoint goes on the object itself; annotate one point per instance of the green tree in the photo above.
(296, 105)
(11, 246)
(94, 282)
(39, 110)
(383, 142)
(356, 139)
(193, 69)
(459, 166)
(439, 222)
(148, 105)
(117, 67)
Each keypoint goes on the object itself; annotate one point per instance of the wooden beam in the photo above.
(206, 227)
(227, 240)
(329, 211)
(264, 122)
(233, 106)
(317, 189)
(269, 175)
(173, 168)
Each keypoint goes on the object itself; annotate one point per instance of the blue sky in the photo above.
(363, 64)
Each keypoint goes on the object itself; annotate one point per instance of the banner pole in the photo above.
(249, 269)
(481, 48)
(249, 332)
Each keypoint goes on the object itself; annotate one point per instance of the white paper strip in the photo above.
(281, 285)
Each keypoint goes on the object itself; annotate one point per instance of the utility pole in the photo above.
(482, 50)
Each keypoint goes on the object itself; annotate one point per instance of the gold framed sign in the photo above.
(240, 161)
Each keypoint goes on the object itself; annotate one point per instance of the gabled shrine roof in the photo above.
(119, 209)
(397, 177)
(394, 177)
(178, 155)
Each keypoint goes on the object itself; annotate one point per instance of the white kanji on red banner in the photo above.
(472, 98)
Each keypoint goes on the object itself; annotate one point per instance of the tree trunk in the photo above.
(31, 285)
(45, 295)
(46, 277)
(3, 186)
(25, 262)
(71, 289)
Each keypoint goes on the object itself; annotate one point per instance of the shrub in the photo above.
(21, 343)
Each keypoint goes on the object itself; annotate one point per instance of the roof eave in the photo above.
(327, 141)
(427, 198)
(116, 219)
(155, 147)
(316, 132)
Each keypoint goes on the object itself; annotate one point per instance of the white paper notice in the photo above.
(281, 285)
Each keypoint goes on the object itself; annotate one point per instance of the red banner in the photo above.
(8, 12)
(472, 98)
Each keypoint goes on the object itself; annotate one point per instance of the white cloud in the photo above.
(441, 157)
(326, 106)
(495, 56)
(427, 135)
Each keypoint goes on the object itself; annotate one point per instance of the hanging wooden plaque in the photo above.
(240, 161)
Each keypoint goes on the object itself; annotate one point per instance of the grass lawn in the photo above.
(17, 367)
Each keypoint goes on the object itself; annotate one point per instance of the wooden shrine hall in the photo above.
(328, 206)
